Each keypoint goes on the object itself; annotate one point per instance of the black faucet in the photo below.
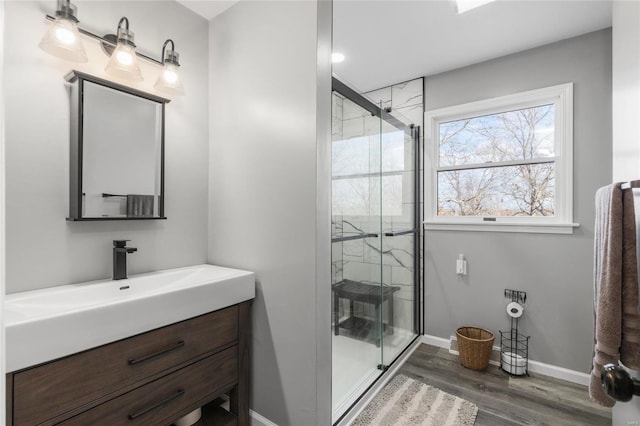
(120, 258)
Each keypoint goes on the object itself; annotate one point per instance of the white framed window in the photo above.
(502, 164)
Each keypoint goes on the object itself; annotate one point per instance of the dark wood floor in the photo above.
(503, 399)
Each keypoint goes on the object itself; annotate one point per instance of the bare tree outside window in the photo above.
(498, 165)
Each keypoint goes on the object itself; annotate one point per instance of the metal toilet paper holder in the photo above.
(514, 346)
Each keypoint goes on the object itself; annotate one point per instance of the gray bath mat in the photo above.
(407, 402)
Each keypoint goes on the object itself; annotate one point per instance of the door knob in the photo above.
(618, 384)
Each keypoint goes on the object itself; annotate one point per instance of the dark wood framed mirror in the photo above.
(117, 151)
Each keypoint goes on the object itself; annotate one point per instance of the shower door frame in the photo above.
(415, 133)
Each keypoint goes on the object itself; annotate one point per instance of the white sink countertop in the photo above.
(43, 325)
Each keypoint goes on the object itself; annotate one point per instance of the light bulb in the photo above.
(169, 79)
(170, 76)
(62, 39)
(123, 63)
(124, 57)
(65, 36)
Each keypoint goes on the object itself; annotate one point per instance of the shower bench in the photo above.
(354, 291)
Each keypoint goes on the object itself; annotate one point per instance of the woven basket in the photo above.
(475, 346)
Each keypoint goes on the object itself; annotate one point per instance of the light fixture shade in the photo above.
(123, 63)
(63, 38)
(169, 80)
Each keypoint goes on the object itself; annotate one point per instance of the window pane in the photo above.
(514, 135)
(525, 190)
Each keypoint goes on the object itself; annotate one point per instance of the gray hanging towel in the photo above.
(140, 205)
(607, 284)
(630, 344)
(617, 323)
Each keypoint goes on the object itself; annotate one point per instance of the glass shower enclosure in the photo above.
(374, 242)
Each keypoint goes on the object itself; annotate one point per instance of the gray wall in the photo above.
(554, 270)
(267, 213)
(42, 248)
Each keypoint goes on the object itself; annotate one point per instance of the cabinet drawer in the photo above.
(164, 400)
(46, 391)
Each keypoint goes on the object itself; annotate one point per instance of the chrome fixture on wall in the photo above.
(62, 40)
(169, 79)
(123, 62)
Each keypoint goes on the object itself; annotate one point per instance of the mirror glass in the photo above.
(119, 151)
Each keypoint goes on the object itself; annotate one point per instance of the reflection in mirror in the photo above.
(117, 151)
(121, 153)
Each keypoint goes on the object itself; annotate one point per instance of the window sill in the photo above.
(530, 228)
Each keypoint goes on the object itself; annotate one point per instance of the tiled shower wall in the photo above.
(359, 260)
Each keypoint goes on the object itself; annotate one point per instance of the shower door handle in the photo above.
(398, 233)
(353, 237)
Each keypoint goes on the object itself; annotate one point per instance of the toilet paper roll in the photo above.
(514, 310)
(190, 418)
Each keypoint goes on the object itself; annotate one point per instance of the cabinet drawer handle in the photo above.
(134, 361)
(133, 416)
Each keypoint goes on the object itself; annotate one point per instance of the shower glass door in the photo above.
(373, 243)
(356, 251)
(398, 234)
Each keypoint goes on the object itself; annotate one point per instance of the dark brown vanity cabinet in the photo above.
(150, 379)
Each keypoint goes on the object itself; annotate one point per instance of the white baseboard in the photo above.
(259, 420)
(559, 372)
(439, 342)
(534, 366)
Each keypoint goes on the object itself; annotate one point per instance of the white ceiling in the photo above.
(208, 8)
(390, 41)
(387, 42)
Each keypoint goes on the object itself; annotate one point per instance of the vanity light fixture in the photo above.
(169, 80)
(63, 38)
(123, 63)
